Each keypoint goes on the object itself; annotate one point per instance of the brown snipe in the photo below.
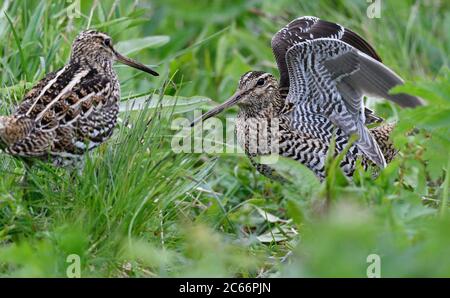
(72, 110)
(325, 71)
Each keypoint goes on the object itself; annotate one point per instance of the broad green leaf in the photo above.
(269, 216)
(277, 234)
(180, 104)
(128, 47)
(296, 172)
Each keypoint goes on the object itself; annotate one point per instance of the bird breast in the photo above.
(258, 135)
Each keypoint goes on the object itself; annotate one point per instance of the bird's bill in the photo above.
(135, 64)
(220, 108)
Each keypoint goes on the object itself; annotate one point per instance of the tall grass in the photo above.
(139, 209)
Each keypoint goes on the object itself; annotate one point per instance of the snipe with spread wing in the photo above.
(325, 70)
(72, 110)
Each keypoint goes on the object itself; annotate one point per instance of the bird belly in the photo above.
(320, 128)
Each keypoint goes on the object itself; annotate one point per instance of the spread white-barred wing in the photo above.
(309, 28)
(330, 77)
(371, 78)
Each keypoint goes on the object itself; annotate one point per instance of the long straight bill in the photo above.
(220, 108)
(135, 64)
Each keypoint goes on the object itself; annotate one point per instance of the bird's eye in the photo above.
(260, 82)
(107, 42)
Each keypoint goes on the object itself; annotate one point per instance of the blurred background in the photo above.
(139, 209)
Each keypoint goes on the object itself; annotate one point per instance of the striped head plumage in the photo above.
(92, 46)
(71, 110)
(257, 91)
(96, 47)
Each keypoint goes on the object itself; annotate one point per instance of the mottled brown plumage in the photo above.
(72, 110)
(325, 71)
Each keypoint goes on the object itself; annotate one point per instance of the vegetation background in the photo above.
(139, 209)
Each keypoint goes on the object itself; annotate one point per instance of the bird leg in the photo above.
(267, 171)
(24, 181)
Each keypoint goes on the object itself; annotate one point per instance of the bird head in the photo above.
(256, 91)
(98, 47)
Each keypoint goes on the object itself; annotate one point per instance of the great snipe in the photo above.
(72, 110)
(325, 70)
